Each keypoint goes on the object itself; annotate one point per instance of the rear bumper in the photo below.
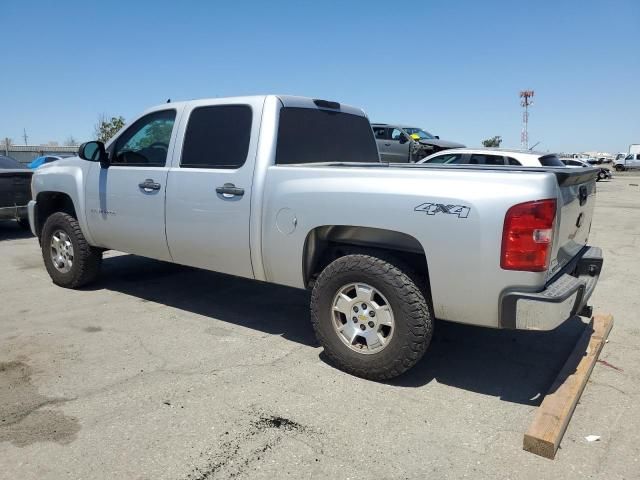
(13, 213)
(565, 295)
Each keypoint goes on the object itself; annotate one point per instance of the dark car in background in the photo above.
(404, 144)
(15, 191)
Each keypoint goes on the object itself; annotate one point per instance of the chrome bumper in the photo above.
(565, 295)
(31, 207)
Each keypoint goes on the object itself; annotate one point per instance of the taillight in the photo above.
(527, 236)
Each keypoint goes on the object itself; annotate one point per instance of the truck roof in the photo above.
(286, 100)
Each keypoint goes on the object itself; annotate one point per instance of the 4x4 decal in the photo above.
(432, 208)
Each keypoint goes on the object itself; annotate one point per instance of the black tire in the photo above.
(24, 223)
(86, 259)
(619, 168)
(413, 320)
(600, 176)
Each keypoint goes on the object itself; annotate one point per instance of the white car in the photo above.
(603, 173)
(494, 156)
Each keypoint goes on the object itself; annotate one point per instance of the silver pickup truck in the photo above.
(291, 190)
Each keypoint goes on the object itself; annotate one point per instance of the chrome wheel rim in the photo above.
(61, 251)
(362, 318)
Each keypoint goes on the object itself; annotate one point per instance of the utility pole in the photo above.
(526, 100)
(25, 136)
(7, 142)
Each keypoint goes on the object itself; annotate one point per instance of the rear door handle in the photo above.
(149, 185)
(229, 190)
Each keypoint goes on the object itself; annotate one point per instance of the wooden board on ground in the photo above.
(553, 415)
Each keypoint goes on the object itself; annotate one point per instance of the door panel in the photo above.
(125, 203)
(123, 216)
(398, 152)
(209, 186)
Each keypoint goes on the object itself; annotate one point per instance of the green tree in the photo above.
(493, 141)
(106, 128)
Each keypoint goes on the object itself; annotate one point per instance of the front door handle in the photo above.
(229, 190)
(149, 185)
(387, 144)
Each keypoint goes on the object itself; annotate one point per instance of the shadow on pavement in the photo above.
(10, 230)
(516, 366)
(262, 306)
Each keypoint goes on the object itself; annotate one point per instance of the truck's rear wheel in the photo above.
(370, 317)
(69, 259)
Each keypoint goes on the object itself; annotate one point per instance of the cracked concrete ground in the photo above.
(165, 372)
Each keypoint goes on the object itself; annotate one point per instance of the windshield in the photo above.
(421, 133)
(8, 162)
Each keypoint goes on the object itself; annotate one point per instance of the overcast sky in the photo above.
(452, 67)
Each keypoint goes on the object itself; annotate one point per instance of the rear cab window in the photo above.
(308, 135)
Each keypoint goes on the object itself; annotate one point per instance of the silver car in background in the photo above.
(404, 144)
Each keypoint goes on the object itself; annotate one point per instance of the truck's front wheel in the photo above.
(370, 317)
(68, 257)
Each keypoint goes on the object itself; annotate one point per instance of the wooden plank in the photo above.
(553, 415)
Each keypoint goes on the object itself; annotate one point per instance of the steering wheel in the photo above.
(159, 145)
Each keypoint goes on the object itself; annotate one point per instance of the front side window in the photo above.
(447, 158)
(217, 136)
(513, 161)
(396, 133)
(308, 135)
(146, 142)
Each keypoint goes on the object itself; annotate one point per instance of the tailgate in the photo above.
(576, 200)
(15, 188)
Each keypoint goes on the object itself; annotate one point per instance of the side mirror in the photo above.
(94, 152)
(437, 137)
(403, 138)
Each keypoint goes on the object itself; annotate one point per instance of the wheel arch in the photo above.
(324, 244)
(49, 202)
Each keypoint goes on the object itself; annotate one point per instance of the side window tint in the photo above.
(477, 159)
(513, 161)
(146, 142)
(379, 132)
(217, 137)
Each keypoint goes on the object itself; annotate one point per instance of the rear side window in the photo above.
(513, 161)
(380, 133)
(308, 135)
(551, 161)
(478, 159)
(217, 137)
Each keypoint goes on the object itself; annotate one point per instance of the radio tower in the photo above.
(526, 100)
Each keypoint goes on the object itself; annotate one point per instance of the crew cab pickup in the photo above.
(291, 190)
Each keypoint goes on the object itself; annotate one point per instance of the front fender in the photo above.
(66, 176)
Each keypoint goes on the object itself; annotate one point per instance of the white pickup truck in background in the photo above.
(291, 190)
